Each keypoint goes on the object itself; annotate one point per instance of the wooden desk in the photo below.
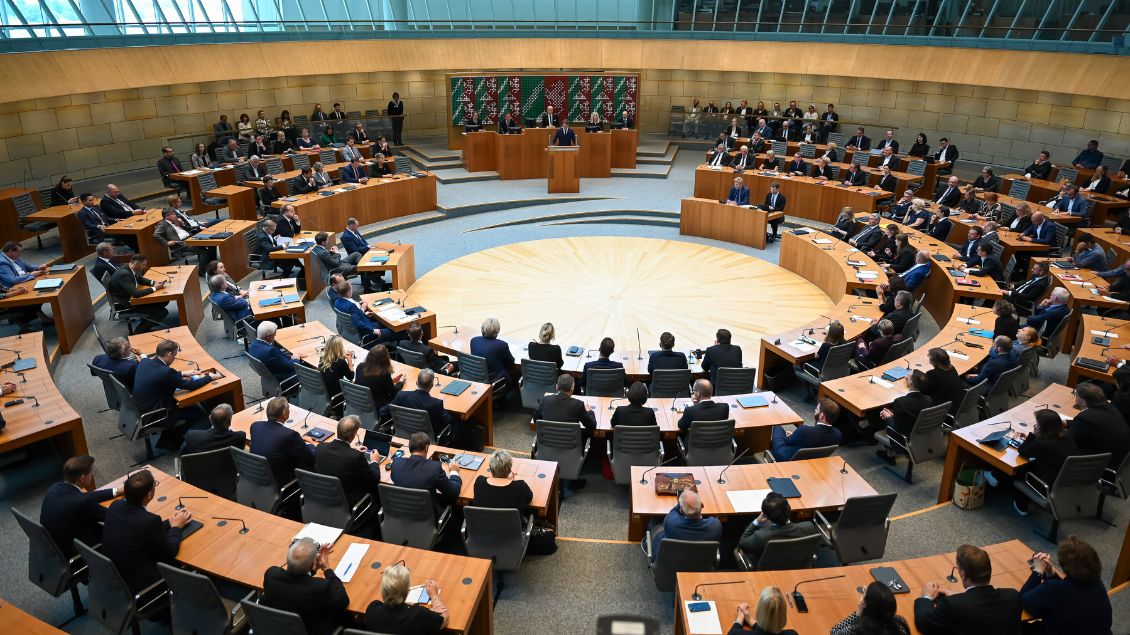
(710, 219)
(563, 169)
(183, 287)
(193, 358)
(401, 262)
(10, 219)
(964, 449)
(224, 176)
(311, 265)
(426, 320)
(241, 201)
(1106, 207)
(822, 486)
(72, 235)
(221, 551)
(53, 418)
(830, 601)
(474, 405)
(825, 263)
(625, 143)
(479, 151)
(232, 251)
(380, 199)
(596, 153)
(514, 156)
(859, 395)
(1109, 239)
(17, 622)
(140, 228)
(277, 288)
(807, 197)
(1010, 240)
(1082, 294)
(71, 306)
(1083, 346)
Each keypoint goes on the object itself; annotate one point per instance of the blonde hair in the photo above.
(334, 350)
(546, 334)
(771, 612)
(394, 584)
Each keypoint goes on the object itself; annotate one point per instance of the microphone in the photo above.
(639, 347)
(852, 307)
(978, 315)
(19, 399)
(722, 481)
(23, 377)
(181, 499)
(843, 468)
(166, 276)
(188, 361)
(401, 561)
(614, 401)
(801, 605)
(696, 596)
(10, 350)
(674, 401)
(643, 477)
(449, 326)
(316, 337)
(304, 426)
(951, 577)
(224, 521)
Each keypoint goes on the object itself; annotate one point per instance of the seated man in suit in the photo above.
(854, 176)
(339, 458)
(1100, 428)
(987, 264)
(104, 263)
(120, 360)
(1089, 254)
(266, 196)
(918, 273)
(361, 316)
(774, 523)
(860, 141)
(172, 233)
(603, 362)
(334, 262)
(422, 399)
(743, 160)
(255, 169)
(548, 119)
(999, 361)
(797, 167)
(322, 603)
(1090, 157)
(722, 354)
(739, 193)
(684, 522)
(624, 120)
(718, 157)
(1050, 312)
(283, 448)
(774, 202)
(13, 268)
(1041, 168)
(169, 165)
(115, 204)
(889, 141)
(903, 412)
(562, 406)
(419, 472)
(71, 508)
(940, 224)
(237, 307)
(898, 315)
(950, 194)
(1026, 293)
(305, 182)
(438, 363)
(635, 413)
(289, 224)
(947, 153)
(355, 172)
(968, 250)
(867, 238)
(564, 136)
(230, 153)
(665, 357)
(981, 609)
(95, 221)
(821, 434)
(154, 388)
(703, 408)
(1072, 203)
(507, 125)
(265, 244)
(135, 539)
(277, 360)
(352, 239)
(1040, 231)
(220, 435)
(128, 283)
(887, 181)
(500, 362)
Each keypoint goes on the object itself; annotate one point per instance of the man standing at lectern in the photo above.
(564, 136)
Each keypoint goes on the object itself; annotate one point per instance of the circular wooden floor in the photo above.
(590, 287)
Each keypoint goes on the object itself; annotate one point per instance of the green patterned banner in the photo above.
(492, 96)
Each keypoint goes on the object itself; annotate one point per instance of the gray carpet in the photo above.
(566, 591)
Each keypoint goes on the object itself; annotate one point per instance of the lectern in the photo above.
(563, 167)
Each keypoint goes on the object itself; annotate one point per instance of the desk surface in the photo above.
(258, 292)
(26, 422)
(192, 358)
(776, 413)
(17, 622)
(1090, 326)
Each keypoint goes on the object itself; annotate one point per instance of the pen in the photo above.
(347, 568)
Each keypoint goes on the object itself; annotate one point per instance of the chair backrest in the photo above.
(1061, 239)
(899, 349)
(109, 601)
(1075, 492)
(926, 440)
(836, 138)
(807, 151)
(969, 411)
(804, 454)
(415, 359)
(408, 516)
(345, 326)
(314, 396)
(474, 368)
(207, 181)
(911, 328)
(212, 471)
(1111, 258)
(194, 602)
(47, 566)
(1019, 189)
(675, 556)
(265, 619)
(24, 205)
(789, 553)
(563, 442)
(133, 423)
(403, 165)
(861, 531)
(997, 247)
(495, 535)
(835, 169)
(669, 383)
(112, 401)
(538, 378)
(1118, 483)
(1028, 359)
(327, 156)
(267, 380)
(1054, 340)
(996, 401)
(917, 306)
(359, 402)
(255, 482)
(780, 148)
(836, 363)
(860, 158)
(917, 168)
(1067, 174)
(300, 161)
(734, 381)
(407, 421)
(1009, 268)
(240, 172)
(710, 442)
(605, 382)
(633, 445)
(275, 165)
(1111, 162)
(323, 499)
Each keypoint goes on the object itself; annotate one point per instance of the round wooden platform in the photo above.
(591, 287)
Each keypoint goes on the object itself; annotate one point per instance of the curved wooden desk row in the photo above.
(710, 219)
(219, 549)
(193, 358)
(520, 156)
(473, 405)
(904, 179)
(378, 200)
(1084, 345)
(807, 197)
(930, 174)
(44, 413)
(18, 622)
(1010, 240)
(182, 286)
(830, 601)
(71, 306)
(1086, 289)
(541, 476)
(821, 484)
(1105, 205)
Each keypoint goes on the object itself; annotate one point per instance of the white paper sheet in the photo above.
(285, 241)
(703, 622)
(961, 356)
(802, 346)
(351, 561)
(416, 593)
(968, 321)
(860, 318)
(1108, 334)
(321, 534)
(882, 382)
(822, 241)
(747, 501)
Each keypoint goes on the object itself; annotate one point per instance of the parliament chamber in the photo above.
(696, 317)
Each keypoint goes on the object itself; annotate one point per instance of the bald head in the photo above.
(302, 555)
(690, 503)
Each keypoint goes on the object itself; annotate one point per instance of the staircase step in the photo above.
(451, 176)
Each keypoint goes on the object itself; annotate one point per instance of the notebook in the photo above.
(993, 437)
(318, 434)
(784, 486)
(47, 284)
(270, 301)
(290, 297)
(671, 483)
(20, 365)
(888, 577)
(1093, 364)
(61, 268)
(455, 387)
(378, 260)
(752, 401)
(982, 333)
(192, 527)
(941, 258)
(221, 235)
(895, 374)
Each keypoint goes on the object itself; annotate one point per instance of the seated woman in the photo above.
(969, 202)
(635, 413)
(1047, 448)
(335, 364)
(64, 191)
(501, 490)
(594, 123)
(544, 350)
(845, 224)
(835, 337)
(304, 142)
(921, 147)
(392, 615)
(876, 613)
(1074, 604)
(1006, 321)
(769, 618)
(376, 374)
(771, 161)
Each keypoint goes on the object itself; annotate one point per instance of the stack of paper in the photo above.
(968, 321)
(747, 501)
(351, 561)
(321, 534)
(961, 356)
(704, 622)
(866, 275)
(802, 346)
(822, 241)
(882, 382)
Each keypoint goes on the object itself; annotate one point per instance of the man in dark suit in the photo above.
(562, 406)
(1027, 293)
(220, 435)
(334, 262)
(980, 610)
(135, 539)
(797, 167)
(774, 523)
(340, 459)
(821, 434)
(887, 181)
(265, 243)
(903, 412)
(665, 358)
(859, 142)
(968, 249)
(854, 177)
(322, 603)
(624, 121)
(305, 183)
(236, 306)
(634, 413)
(1051, 311)
(940, 224)
(154, 387)
(128, 283)
(355, 172)
(703, 408)
(866, 239)
(507, 125)
(115, 204)
(719, 157)
(71, 509)
(829, 119)
(868, 355)
(987, 264)
(995, 364)
(422, 399)
(946, 154)
(1041, 168)
(434, 361)
(418, 472)
(889, 141)
(548, 119)
(289, 224)
(721, 355)
(104, 263)
(604, 362)
(169, 165)
(93, 219)
(260, 147)
(950, 194)
(500, 361)
(1100, 427)
(564, 136)
(266, 350)
(118, 359)
(352, 239)
(774, 202)
(283, 448)
(888, 159)
(255, 169)
(360, 314)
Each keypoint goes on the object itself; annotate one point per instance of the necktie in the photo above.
(773, 202)
(176, 165)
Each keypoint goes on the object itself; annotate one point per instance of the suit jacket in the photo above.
(91, 218)
(283, 448)
(989, 266)
(564, 137)
(114, 207)
(166, 233)
(993, 367)
(353, 243)
(563, 407)
(508, 128)
(969, 251)
(1049, 317)
(877, 349)
(322, 603)
(360, 320)
(906, 409)
(545, 120)
(123, 285)
(942, 386)
(1102, 186)
(666, 360)
(230, 155)
(434, 361)
(418, 472)
(135, 540)
(1101, 429)
(358, 477)
(279, 363)
(797, 165)
(915, 275)
(213, 439)
(991, 184)
(948, 196)
(813, 436)
(252, 173)
(167, 166)
(349, 175)
(154, 385)
(817, 171)
(288, 228)
(892, 143)
(303, 186)
(68, 513)
(1044, 233)
(1020, 223)
(496, 352)
(947, 154)
(238, 308)
(889, 183)
(705, 410)
(891, 162)
(123, 369)
(713, 158)
(868, 237)
(861, 142)
(265, 244)
(599, 364)
(330, 261)
(633, 415)
(1030, 290)
(281, 147)
(721, 356)
(941, 229)
(981, 610)
(777, 205)
(738, 196)
(857, 178)
(1041, 171)
(422, 400)
(754, 538)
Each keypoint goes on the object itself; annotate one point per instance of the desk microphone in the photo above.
(401, 561)
(843, 468)
(722, 481)
(316, 337)
(951, 577)
(643, 477)
(224, 521)
(696, 596)
(639, 346)
(610, 406)
(181, 499)
(798, 598)
(304, 426)
(19, 399)
(978, 315)
(188, 361)
(167, 278)
(449, 326)
(23, 377)
(674, 404)
(11, 350)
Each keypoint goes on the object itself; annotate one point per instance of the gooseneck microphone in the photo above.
(722, 481)
(181, 499)
(12, 350)
(696, 596)
(951, 577)
(643, 477)
(639, 346)
(798, 598)
(613, 401)
(224, 521)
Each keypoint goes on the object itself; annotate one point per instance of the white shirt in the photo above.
(19, 270)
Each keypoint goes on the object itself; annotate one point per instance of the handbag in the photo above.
(969, 488)
(543, 539)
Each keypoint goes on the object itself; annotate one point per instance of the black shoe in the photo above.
(577, 484)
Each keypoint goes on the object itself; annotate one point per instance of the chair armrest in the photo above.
(289, 384)
(150, 594)
(585, 450)
(238, 617)
(1031, 480)
(366, 501)
(769, 458)
(1109, 476)
(533, 447)
(661, 452)
(463, 529)
(896, 438)
(647, 548)
(822, 525)
(608, 448)
(444, 516)
(529, 526)
(681, 446)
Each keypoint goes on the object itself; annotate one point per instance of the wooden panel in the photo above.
(710, 219)
(564, 170)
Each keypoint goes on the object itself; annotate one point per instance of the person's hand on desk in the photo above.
(432, 588)
(138, 212)
(323, 560)
(931, 590)
(8, 388)
(181, 517)
(1042, 564)
(398, 378)
(14, 291)
(743, 615)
